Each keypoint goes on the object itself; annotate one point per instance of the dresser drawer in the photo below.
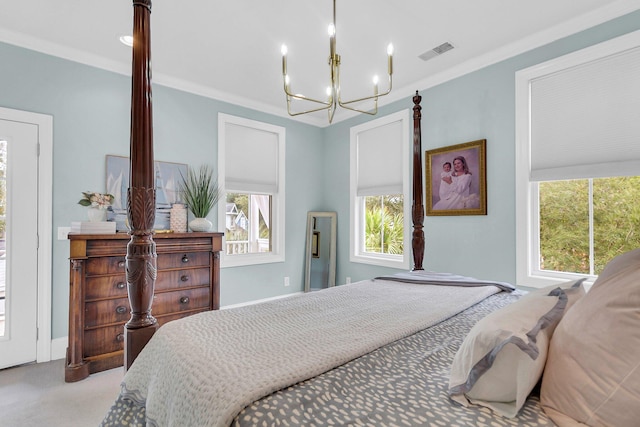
(188, 278)
(105, 265)
(103, 340)
(101, 287)
(105, 287)
(183, 260)
(105, 312)
(117, 264)
(180, 300)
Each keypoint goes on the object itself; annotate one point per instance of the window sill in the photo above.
(249, 259)
(382, 261)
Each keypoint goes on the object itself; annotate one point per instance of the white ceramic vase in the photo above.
(97, 214)
(200, 224)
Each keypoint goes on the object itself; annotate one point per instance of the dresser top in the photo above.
(127, 236)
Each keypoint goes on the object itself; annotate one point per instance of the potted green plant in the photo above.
(200, 192)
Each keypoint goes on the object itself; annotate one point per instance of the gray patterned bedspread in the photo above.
(402, 383)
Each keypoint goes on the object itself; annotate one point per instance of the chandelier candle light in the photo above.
(333, 91)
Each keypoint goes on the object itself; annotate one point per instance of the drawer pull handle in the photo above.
(184, 300)
(121, 285)
(121, 264)
(121, 309)
(184, 278)
(185, 258)
(120, 337)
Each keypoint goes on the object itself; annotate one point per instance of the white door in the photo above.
(19, 256)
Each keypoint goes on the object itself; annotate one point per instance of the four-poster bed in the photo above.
(375, 352)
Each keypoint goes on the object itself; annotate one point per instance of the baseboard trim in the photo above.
(242, 304)
(59, 348)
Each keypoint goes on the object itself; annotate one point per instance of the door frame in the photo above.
(44, 123)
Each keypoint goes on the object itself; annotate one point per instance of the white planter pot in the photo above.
(97, 214)
(200, 224)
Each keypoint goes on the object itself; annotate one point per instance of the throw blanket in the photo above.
(204, 369)
(446, 279)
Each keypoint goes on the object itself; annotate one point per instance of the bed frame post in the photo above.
(141, 257)
(417, 210)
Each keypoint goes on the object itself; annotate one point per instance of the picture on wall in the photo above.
(168, 178)
(456, 179)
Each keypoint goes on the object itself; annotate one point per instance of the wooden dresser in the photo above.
(188, 282)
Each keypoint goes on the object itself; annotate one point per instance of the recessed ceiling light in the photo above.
(128, 40)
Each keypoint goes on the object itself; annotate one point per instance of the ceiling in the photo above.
(230, 50)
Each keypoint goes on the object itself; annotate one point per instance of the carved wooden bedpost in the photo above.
(417, 210)
(141, 200)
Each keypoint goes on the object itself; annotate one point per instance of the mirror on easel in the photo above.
(320, 269)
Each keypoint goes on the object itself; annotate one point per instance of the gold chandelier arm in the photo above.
(371, 112)
(306, 111)
(331, 112)
(366, 98)
(304, 98)
(326, 105)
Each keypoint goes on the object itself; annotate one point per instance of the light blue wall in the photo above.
(91, 119)
(479, 105)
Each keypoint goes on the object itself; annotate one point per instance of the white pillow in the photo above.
(503, 356)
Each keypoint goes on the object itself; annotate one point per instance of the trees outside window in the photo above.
(584, 223)
(384, 224)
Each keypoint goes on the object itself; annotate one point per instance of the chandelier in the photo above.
(333, 90)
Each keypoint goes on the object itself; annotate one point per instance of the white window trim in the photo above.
(527, 209)
(277, 253)
(356, 253)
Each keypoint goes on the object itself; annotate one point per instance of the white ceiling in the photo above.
(230, 50)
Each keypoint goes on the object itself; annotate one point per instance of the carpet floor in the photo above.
(36, 395)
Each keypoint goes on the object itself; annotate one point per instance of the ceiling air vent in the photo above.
(438, 50)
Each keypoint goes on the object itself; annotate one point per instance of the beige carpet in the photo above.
(36, 395)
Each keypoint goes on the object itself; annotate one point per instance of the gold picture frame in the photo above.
(462, 189)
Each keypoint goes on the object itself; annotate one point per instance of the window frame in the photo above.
(277, 253)
(356, 209)
(528, 272)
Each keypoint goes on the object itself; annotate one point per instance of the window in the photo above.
(379, 170)
(251, 163)
(604, 217)
(247, 223)
(384, 224)
(577, 161)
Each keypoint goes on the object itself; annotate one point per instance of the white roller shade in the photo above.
(251, 160)
(379, 154)
(585, 120)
